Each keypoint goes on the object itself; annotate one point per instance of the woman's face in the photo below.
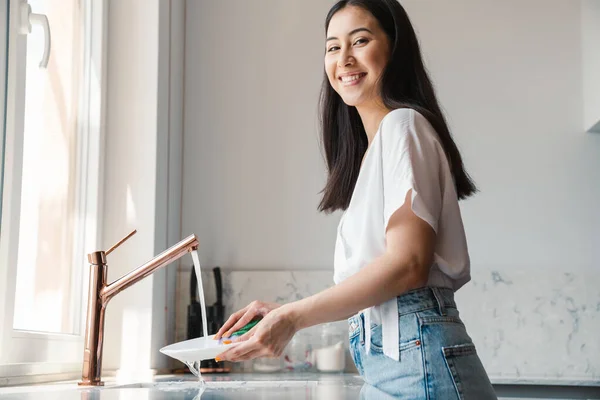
(356, 53)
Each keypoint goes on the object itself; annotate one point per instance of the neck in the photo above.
(371, 116)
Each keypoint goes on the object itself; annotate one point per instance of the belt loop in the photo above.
(361, 324)
(439, 299)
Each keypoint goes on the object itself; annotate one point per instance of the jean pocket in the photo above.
(468, 374)
(355, 354)
(377, 341)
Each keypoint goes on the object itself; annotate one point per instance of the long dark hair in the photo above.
(404, 84)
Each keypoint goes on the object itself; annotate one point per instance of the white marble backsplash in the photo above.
(242, 287)
(529, 326)
(535, 325)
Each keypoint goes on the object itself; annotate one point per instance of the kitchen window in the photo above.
(50, 161)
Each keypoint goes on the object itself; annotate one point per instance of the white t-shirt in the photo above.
(405, 154)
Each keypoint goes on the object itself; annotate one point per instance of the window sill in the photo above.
(34, 373)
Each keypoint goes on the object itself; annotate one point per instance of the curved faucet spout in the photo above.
(166, 257)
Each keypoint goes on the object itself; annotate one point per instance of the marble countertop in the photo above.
(219, 386)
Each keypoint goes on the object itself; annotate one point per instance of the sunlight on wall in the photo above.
(136, 333)
(130, 212)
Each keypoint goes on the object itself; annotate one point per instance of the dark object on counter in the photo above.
(194, 314)
(215, 314)
(215, 318)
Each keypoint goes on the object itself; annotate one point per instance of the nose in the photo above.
(346, 59)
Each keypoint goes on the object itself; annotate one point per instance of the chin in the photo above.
(351, 101)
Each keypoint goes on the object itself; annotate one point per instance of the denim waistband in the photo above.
(410, 302)
(425, 299)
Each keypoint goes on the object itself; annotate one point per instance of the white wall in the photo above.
(141, 154)
(252, 167)
(508, 74)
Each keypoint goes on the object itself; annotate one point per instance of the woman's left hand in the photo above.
(268, 338)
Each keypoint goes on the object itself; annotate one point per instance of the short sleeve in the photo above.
(411, 161)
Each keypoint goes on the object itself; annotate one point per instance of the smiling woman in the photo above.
(401, 251)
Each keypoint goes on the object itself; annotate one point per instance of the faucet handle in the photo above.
(120, 242)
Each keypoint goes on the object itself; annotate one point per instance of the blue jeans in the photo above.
(437, 357)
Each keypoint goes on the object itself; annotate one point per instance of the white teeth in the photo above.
(351, 78)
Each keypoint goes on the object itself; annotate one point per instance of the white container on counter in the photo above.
(331, 354)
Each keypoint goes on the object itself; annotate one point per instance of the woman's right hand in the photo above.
(244, 316)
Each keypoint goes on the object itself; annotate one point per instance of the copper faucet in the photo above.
(100, 294)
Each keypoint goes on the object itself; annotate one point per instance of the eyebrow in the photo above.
(352, 32)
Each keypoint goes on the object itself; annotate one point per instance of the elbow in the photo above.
(418, 273)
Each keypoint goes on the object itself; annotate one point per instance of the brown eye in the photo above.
(361, 41)
(332, 48)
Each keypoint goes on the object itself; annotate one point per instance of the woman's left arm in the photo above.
(404, 266)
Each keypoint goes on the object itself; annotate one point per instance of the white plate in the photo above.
(203, 348)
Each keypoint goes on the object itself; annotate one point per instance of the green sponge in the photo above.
(245, 328)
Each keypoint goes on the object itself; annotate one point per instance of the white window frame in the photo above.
(3, 79)
(32, 353)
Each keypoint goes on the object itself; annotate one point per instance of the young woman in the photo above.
(401, 251)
